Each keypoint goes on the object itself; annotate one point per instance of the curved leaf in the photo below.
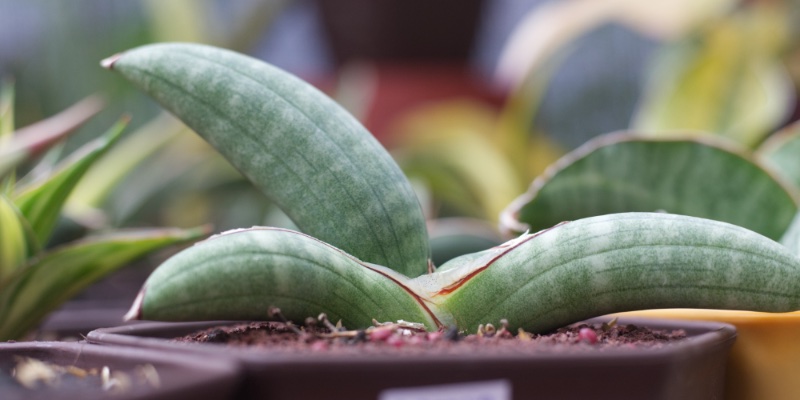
(49, 280)
(41, 202)
(622, 173)
(241, 274)
(616, 263)
(311, 157)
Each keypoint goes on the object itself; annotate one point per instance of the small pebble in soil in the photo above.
(588, 335)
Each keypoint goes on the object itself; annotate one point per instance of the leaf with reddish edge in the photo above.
(52, 278)
(614, 263)
(34, 139)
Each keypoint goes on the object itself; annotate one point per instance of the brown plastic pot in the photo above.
(693, 368)
(180, 375)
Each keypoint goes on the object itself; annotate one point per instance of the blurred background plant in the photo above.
(38, 274)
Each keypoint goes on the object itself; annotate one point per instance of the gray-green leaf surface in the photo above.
(623, 173)
(305, 152)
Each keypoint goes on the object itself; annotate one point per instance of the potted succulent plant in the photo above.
(363, 253)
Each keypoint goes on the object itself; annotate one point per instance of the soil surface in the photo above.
(403, 338)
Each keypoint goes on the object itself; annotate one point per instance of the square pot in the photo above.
(179, 375)
(692, 368)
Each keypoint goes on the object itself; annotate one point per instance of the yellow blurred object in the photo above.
(765, 360)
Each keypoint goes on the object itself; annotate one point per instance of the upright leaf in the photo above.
(312, 158)
(782, 152)
(623, 173)
(791, 239)
(52, 278)
(108, 171)
(41, 202)
(13, 244)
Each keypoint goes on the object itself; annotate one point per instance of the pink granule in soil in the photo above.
(395, 339)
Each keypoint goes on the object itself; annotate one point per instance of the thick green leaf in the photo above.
(54, 277)
(33, 139)
(622, 173)
(41, 202)
(724, 80)
(782, 152)
(13, 242)
(616, 263)
(241, 274)
(311, 157)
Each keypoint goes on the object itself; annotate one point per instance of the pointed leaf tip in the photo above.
(108, 63)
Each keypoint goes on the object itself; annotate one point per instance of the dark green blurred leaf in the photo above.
(51, 279)
(623, 173)
(41, 202)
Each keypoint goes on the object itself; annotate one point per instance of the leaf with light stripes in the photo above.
(304, 151)
(622, 173)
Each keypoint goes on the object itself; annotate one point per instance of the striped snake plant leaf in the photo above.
(617, 173)
(616, 263)
(241, 274)
(41, 201)
(782, 152)
(537, 282)
(48, 280)
(304, 151)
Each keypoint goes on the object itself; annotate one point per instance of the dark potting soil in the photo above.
(408, 339)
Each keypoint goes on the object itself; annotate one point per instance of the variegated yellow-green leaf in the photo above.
(724, 80)
(52, 278)
(622, 173)
(450, 144)
(108, 171)
(782, 152)
(6, 111)
(305, 152)
(13, 243)
(41, 201)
